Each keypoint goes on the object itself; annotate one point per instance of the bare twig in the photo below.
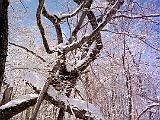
(74, 13)
(132, 35)
(33, 53)
(148, 108)
(137, 17)
(80, 22)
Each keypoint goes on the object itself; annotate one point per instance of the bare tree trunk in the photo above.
(113, 101)
(129, 89)
(128, 79)
(3, 37)
(129, 94)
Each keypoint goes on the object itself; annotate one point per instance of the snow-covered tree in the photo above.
(70, 72)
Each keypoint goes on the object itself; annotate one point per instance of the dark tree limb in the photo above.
(80, 22)
(40, 99)
(40, 26)
(55, 21)
(61, 114)
(3, 37)
(6, 95)
(62, 68)
(9, 110)
(60, 40)
(95, 35)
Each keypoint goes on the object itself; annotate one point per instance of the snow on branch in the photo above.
(137, 16)
(148, 108)
(16, 106)
(65, 16)
(109, 15)
(69, 47)
(82, 109)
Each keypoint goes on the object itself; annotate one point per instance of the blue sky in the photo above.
(28, 19)
(51, 6)
(56, 6)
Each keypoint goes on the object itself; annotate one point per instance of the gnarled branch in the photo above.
(40, 26)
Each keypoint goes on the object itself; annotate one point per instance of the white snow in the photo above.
(84, 105)
(70, 67)
(74, 103)
(19, 100)
(153, 104)
(35, 79)
(158, 97)
(74, 12)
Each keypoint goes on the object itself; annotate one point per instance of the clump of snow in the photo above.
(70, 67)
(19, 100)
(84, 105)
(35, 79)
(92, 111)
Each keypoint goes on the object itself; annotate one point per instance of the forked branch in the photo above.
(40, 26)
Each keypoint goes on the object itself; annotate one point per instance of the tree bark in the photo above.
(3, 37)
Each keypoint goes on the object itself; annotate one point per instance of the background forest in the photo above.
(83, 59)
